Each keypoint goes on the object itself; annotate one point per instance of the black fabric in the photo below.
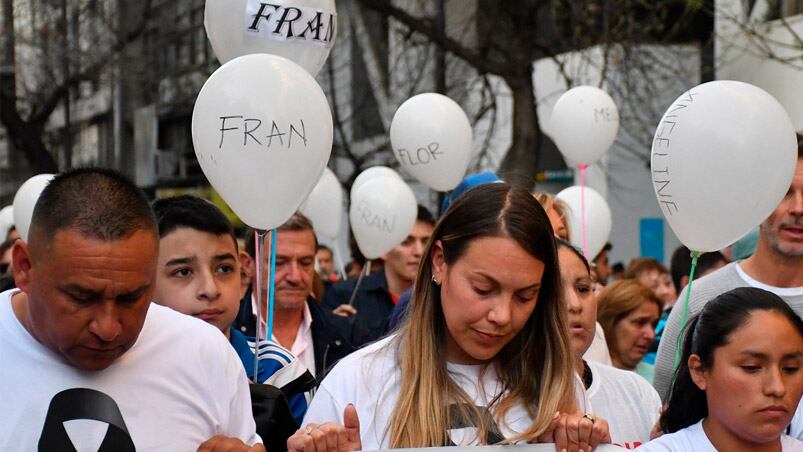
(588, 377)
(373, 303)
(83, 403)
(329, 333)
(273, 416)
(457, 420)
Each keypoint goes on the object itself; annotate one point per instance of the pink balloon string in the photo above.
(583, 167)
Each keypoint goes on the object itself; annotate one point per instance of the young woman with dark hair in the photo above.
(740, 378)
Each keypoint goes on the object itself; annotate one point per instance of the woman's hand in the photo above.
(329, 437)
(576, 432)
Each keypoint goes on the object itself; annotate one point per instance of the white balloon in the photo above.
(723, 157)
(584, 124)
(370, 173)
(300, 30)
(431, 138)
(597, 216)
(324, 206)
(262, 132)
(6, 220)
(382, 214)
(25, 201)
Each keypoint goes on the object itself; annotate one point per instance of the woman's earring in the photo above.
(435, 280)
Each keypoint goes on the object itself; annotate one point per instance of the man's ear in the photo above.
(246, 272)
(698, 374)
(438, 260)
(21, 265)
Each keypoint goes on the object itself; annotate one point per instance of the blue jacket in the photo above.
(373, 304)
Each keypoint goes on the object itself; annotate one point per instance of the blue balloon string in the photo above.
(271, 284)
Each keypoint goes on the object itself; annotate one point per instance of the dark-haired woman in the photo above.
(629, 404)
(740, 378)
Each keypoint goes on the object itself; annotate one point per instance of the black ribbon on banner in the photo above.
(83, 403)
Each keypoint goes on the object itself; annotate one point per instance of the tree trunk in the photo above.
(520, 163)
(25, 136)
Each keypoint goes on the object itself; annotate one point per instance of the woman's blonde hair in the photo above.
(619, 299)
(534, 370)
(549, 201)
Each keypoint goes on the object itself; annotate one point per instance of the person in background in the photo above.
(379, 292)
(557, 212)
(776, 266)
(617, 271)
(740, 377)
(629, 404)
(300, 324)
(601, 266)
(628, 312)
(680, 267)
(483, 356)
(325, 263)
(198, 274)
(654, 275)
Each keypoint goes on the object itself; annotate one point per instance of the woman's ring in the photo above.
(308, 430)
(590, 417)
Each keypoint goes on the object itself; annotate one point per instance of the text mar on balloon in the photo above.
(290, 23)
(420, 156)
(373, 220)
(661, 150)
(238, 130)
(605, 114)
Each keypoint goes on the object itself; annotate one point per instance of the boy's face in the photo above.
(199, 275)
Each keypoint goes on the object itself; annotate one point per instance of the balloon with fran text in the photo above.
(262, 132)
(723, 157)
(584, 124)
(25, 201)
(300, 30)
(432, 140)
(598, 220)
(382, 214)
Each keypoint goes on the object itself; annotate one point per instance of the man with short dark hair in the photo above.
(299, 323)
(776, 266)
(94, 362)
(379, 292)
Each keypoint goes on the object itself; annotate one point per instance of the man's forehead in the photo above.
(294, 243)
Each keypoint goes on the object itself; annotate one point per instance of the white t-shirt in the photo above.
(179, 385)
(598, 350)
(694, 438)
(369, 379)
(796, 427)
(629, 404)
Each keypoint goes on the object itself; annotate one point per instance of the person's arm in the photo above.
(240, 424)
(665, 358)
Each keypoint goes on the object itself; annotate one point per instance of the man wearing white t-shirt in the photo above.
(88, 362)
(776, 266)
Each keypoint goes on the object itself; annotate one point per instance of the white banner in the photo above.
(282, 22)
(513, 448)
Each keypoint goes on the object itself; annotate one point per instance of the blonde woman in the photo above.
(557, 211)
(482, 358)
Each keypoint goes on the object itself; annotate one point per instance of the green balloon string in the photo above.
(685, 312)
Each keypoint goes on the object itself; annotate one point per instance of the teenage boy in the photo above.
(198, 274)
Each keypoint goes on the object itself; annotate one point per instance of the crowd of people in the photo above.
(129, 325)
